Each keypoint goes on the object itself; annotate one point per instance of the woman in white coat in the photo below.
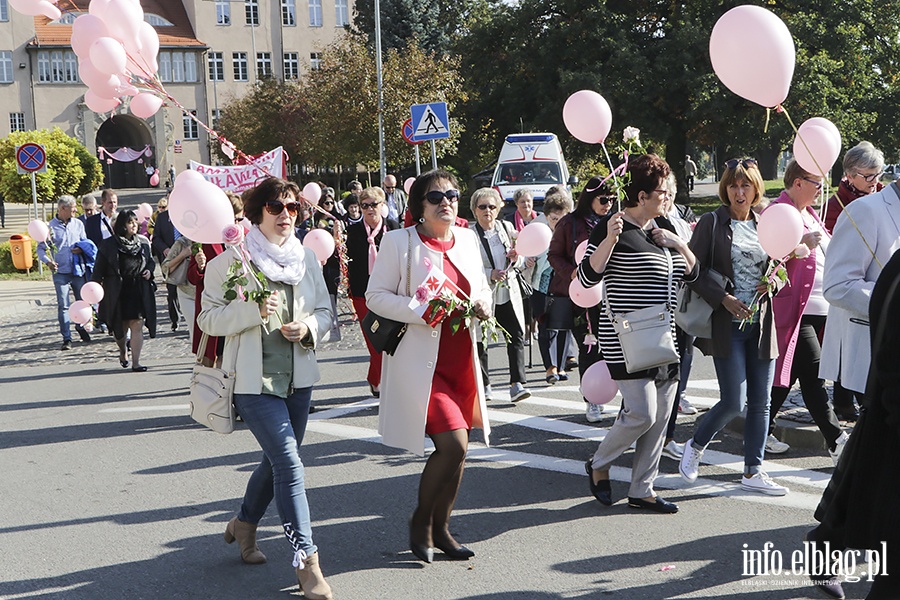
(273, 343)
(429, 386)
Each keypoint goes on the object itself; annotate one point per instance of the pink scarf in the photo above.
(370, 237)
(520, 222)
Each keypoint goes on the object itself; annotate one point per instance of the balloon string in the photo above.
(843, 206)
(768, 115)
(612, 174)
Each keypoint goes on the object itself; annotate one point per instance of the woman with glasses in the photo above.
(640, 260)
(363, 240)
(503, 268)
(743, 343)
(273, 343)
(593, 203)
(429, 386)
(800, 311)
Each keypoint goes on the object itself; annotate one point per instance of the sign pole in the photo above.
(418, 161)
(433, 155)
(34, 199)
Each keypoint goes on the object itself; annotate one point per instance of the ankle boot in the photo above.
(245, 534)
(311, 580)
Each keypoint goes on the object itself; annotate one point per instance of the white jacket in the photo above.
(406, 377)
(241, 323)
(850, 274)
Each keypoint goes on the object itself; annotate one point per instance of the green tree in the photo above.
(435, 24)
(71, 169)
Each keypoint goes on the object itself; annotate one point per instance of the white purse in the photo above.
(212, 393)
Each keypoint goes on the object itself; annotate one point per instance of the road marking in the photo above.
(185, 408)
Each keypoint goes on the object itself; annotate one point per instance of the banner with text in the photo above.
(239, 178)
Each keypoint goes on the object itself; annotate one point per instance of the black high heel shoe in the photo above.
(420, 551)
(456, 553)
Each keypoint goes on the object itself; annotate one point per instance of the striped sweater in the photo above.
(635, 277)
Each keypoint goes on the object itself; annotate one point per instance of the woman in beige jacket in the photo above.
(429, 386)
(272, 341)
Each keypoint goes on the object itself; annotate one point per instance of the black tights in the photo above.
(438, 488)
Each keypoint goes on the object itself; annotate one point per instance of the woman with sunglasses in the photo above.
(331, 270)
(743, 343)
(503, 268)
(363, 240)
(800, 311)
(593, 203)
(429, 386)
(273, 343)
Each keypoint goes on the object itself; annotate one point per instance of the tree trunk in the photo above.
(676, 149)
(768, 162)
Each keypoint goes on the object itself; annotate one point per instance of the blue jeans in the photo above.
(63, 282)
(744, 379)
(278, 424)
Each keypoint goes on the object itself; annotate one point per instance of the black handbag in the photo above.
(385, 334)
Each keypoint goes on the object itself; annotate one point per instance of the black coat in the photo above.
(93, 228)
(163, 235)
(106, 272)
(860, 507)
(358, 253)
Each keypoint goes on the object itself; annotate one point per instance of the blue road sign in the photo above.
(31, 158)
(430, 121)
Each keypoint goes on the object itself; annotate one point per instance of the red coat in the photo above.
(195, 276)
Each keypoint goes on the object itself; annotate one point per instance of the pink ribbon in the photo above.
(620, 170)
(370, 237)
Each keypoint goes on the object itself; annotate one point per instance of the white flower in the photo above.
(632, 134)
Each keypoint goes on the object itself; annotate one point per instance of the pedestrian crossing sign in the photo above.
(431, 121)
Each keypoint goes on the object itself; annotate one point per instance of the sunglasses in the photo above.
(367, 205)
(818, 184)
(486, 207)
(747, 163)
(872, 177)
(604, 200)
(276, 207)
(436, 197)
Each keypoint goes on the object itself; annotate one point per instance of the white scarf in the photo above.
(283, 263)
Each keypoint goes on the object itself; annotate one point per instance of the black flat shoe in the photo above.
(659, 505)
(124, 364)
(602, 490)
(140, 369)
(458, 553)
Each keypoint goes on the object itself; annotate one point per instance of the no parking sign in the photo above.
(31, 158)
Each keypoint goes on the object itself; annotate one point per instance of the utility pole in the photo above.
(381, 156)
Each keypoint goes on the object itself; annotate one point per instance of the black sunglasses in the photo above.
(276, 207)
(436, 197)
(604, 200)
(486, 207)
(747, 163)
(365, 205)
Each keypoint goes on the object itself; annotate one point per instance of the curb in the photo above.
(796, 435)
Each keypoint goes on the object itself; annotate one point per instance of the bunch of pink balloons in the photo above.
(320, 243)
(199, 209)
(597, 385)
(587, 116)
(753, 54)
(817, 145)
(534, 239)
(780, 229)
(114, 43)
(33, 8)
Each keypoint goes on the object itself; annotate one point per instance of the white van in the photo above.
(533, 161)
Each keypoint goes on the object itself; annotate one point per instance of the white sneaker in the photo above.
(689, 467)
(518, 392)
(488, 393)
(673, 450)
(773, 446)
(685, 407)
(593, 413)
(762, 483)
(839, 447)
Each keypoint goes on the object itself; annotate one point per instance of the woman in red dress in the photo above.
(429, 385)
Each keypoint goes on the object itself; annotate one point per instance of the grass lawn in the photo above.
(704, 204)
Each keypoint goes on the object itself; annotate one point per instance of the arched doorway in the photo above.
(126, 131)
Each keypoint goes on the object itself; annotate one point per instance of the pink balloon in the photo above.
(199, 209)
(34, 8)
(124, 17)
(321, 243)
(86, 30)
(384, 210)
(81, 312)
(822, 122)
(752, 31)
(98, 7)
(154, 179)
(587, 116)
(145, 105)
(109, 89)
(98, 104)
(597, 385)
(780, 229)
(816, 144)
(108, 55)
(584, 297)
(147, 57)
(312, 191)
(92, 77)
(144, 211)
(407, 185)
(38, 230)
(534, 239)
(580, 251)
(92, 292)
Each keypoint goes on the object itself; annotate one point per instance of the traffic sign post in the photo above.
(32, 158)
(430, 122)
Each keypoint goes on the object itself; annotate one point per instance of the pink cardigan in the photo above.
(789, 303)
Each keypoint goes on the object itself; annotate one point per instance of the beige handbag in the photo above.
(212, 393)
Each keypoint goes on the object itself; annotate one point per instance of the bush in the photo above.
(6, 262)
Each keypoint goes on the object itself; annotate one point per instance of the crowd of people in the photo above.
(767, 333)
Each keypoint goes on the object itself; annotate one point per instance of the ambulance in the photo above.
(533, 161)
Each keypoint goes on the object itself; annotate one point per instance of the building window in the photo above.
(315, 61)
(214, 117)
(251, 10)
(6, 67)
(190, 66)
(191, 129)
(165, 66)
(157, 21)
(16, 122)
(240, 66)
(315, 13)
(288, 13)
(291, 65)
(223, 12)
(263, 64)
(341, 13)
(4, 14)
(57, 67)
(177, 67)
(216, 66)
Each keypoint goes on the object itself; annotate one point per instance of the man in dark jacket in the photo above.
(164, 235)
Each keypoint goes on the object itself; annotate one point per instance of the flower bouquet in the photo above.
(241, 271)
